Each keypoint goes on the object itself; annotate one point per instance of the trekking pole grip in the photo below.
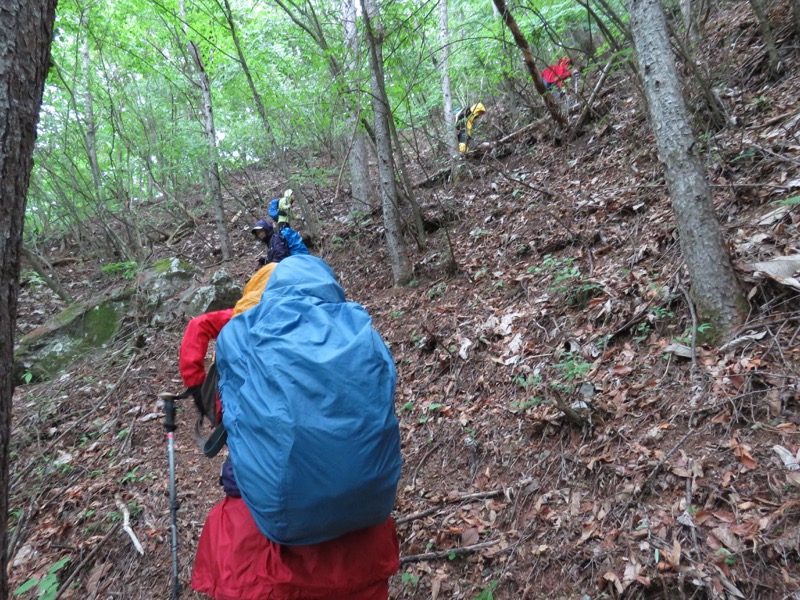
(169, 410)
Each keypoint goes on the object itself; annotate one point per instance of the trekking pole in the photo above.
(170, 427)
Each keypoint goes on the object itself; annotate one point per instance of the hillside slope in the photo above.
(562, 435)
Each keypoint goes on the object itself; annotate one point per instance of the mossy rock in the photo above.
(82, 330)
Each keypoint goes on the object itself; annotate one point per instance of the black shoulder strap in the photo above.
(216, 441)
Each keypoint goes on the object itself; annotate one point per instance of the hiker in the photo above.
(556, 75)
(280, 244)
(464, 121)
(280, 210)
(235, 559)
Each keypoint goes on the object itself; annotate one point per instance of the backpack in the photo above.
(278, 248)
(307, 386)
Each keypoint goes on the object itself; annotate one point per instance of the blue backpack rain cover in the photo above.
(307, 387)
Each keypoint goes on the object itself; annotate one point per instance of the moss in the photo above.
(101, 323)
(68, 339)
(167, 265)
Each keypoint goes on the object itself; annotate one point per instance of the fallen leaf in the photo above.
(789, 461)
(612, 577)
(470, 536)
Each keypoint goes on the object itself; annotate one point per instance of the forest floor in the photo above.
(673, 478)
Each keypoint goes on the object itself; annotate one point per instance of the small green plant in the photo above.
(396, 314)
(32, 278)
(133, 476)
(793, 201)
(488, 592)
(523, 405)
(437, 291)
(642, 331)
(127, 269)
(531, 380)
(47, 586)
(409, 579)
(573, 366)
(407, 407)
(337, 242)
(660, 313)
(479, 233)
(27, 377)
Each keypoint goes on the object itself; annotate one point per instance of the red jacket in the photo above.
(194, 346)
(557, 73)
(236, 562)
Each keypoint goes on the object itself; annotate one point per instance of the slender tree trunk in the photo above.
(213, 183)
(447, 95)
(715, 289)
(769, 37)
(41, 270)
(533, 70)
(796, 15)
(401, 267)
(90, 134)
(26, 28)
(312, 221)
(360, 186)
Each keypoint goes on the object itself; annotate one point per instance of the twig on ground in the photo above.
(448, 500)
(89, 558)
(47, 451)
(126, 526)
(659, 466)
(422, 462)
(404, 560)
(690, 304)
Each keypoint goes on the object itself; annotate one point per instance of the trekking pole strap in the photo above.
(215, 441)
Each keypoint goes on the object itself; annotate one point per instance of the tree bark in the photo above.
(401, 267)
(213, 183)
(26, 28)
(715, 289)
(769, 37)
(533, 70)
(447, 94)
(360, 188)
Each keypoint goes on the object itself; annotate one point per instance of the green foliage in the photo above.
(488, 592)
(793, 201)
(127, 269)
(573, 366)
(47, 586)
(437, 291)
(31, 278)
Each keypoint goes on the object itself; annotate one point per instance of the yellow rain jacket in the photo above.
(464, 121)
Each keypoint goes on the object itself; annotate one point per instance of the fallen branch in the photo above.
(404, 560)
(449, 500)
(126, 520)
(89, 558)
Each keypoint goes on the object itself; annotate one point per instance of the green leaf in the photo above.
(28, 585)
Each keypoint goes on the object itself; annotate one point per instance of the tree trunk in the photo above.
(37, 264)
(769, 38)
(26, 28)
(213, 183)
(360, 188)
(90, 135)
(533, 70)
(715, 289)
(447, 95)
(401, 267)
(796, 15)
